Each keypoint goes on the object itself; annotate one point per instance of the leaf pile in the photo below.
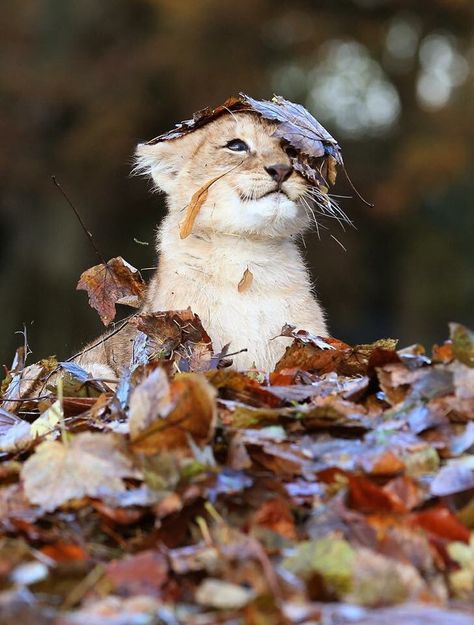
(314, 153)
(337, 489)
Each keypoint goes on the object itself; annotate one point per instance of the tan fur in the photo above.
(243, 224)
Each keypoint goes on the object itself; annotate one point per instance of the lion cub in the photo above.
(248, 225)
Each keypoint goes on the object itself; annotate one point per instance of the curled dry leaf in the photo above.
(149, 401)
(194, 206)
(112, 283)
(23, 384)
(91, 464)
(176, 333)
(313, 151)
(192, 417)
(328, 354)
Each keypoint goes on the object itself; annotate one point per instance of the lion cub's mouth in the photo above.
(277, 191)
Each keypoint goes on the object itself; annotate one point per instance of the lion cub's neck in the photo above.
(204, 270)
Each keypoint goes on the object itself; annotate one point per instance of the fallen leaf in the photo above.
(441, 522)
(107, 284)
(332, 558)
(453, 478)
(175, 333)
(323, 357)
(91, 464)
(191, 419)
(276, 516)
(462, 343)
(148, 401)
(368, 497)
(142, 574)
(65, 552)
(381, 580)
(223, 595)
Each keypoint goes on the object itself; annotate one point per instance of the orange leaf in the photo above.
(246, 281)
(194, 206)
(191, 414)
(275, 515)
(65, 552)
(441, 522)
(367, 497)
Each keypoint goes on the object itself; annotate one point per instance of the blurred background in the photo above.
(83, 82)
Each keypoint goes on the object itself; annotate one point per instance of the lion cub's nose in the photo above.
(279, 172)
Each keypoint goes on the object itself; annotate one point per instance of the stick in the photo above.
(83, 225)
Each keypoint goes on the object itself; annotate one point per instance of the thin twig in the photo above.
(83, 225)
(104, 338)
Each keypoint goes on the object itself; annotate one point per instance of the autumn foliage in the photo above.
(341, 483)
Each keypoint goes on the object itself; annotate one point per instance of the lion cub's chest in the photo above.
(247, 319)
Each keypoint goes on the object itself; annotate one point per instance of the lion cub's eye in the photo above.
(237, 145)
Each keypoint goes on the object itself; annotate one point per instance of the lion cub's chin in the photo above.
(270, 216)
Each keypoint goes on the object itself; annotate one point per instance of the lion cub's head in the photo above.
(260, 194)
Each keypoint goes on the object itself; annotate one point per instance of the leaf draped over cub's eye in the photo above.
(115, 282)
(314, 153)
(297, 126)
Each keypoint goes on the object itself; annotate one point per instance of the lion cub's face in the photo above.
(260, 194)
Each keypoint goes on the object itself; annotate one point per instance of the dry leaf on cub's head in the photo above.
(314, 153)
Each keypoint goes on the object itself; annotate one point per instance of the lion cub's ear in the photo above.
(163, 161)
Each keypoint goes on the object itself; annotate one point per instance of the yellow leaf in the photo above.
(92, 464)
(194, 207)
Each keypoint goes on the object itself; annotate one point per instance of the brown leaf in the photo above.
(246, 281)
(107, 284)
(192, 211)
(441, 522)
(192, 417)
(119, 516)
(178, 332)
(275, 515)
(462, 343)
(367, 497)
(141, 574)
(443, 353)
(324, 356)
(239, 387)
(332, 170)
(406, 490)
(384, 462)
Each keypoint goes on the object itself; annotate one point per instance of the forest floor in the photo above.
(337, 489)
